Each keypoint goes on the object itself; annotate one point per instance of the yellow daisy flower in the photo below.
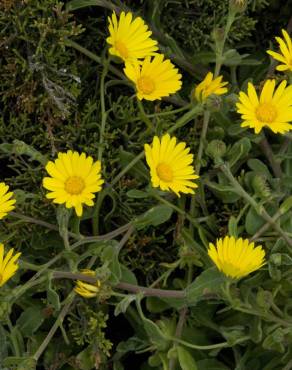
(285, 56)
(74, 179)
(272, 109)
(154, 78)
(209, 86)
(6, 203)
(170, 165)
(236, 258)
(85, 289)
(130, 39)
(8, 264)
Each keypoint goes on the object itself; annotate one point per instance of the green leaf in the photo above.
(137, 194)
(128, 276)
(110, 255)
(208, 282)
(185, 359)
(253, 221)
(123, 305)
(238, 151)
(30, 320)
(156, 305)
(3, 345)
(153, 331)
(86, 359)
(232, 58)
(211, 365)
(139, 170)
(232, 227)
(259, 167)
(153, 217)
(78, 4)
(22, 363)
(52, 296)
(224, 192)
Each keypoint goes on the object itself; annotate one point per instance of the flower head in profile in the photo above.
(8, 264)
(87, 290)
(154, 78)
(171, 165)
(285, 55)
(130, 38)
(74, 180)
(272, 109)
(6, 200)
(236, 258)
(210, 86)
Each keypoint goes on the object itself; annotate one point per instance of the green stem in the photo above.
(100, 196)
(266, 148)
(145, 118)
(47, 225)
(54, 328)
(177, 209)
(13, 338)
(187, 117)
(162, 114)
(220, 45)
(207, 348)
(259, 209)
(93, 56)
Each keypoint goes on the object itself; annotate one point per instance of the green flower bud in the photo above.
(214, 103)
(238, 6)
(216, 149)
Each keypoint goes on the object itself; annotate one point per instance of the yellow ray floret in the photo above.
(236, 258)
(210, 86)
(8, 264)
(285, 55)
(171, 165)
(87, 290)
(272, 109)
(6, 200)
(130, 38)
(74, 180)
(154, 78)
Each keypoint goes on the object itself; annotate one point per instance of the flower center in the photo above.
(266, 112)
(146, 85)
(122, 49)
(74, 185)
(164, 172)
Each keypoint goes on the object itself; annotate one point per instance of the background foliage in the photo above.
(53, 59)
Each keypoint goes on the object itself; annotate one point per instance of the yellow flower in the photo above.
(130, 39)
(74, 179)
(272, 109)
(209, 86)
(154, 78)
(87, 290)
(170, 165)
(8, 264)
(285, 56)
(236, 258)
(6, 203)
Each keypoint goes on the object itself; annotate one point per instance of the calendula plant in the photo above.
(145, 192)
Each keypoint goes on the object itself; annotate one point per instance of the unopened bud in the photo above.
(216, 149)
(213, 103)
(238, 6)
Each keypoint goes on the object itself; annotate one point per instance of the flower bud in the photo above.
(216, 149)
(214, 103)
(238, 6)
